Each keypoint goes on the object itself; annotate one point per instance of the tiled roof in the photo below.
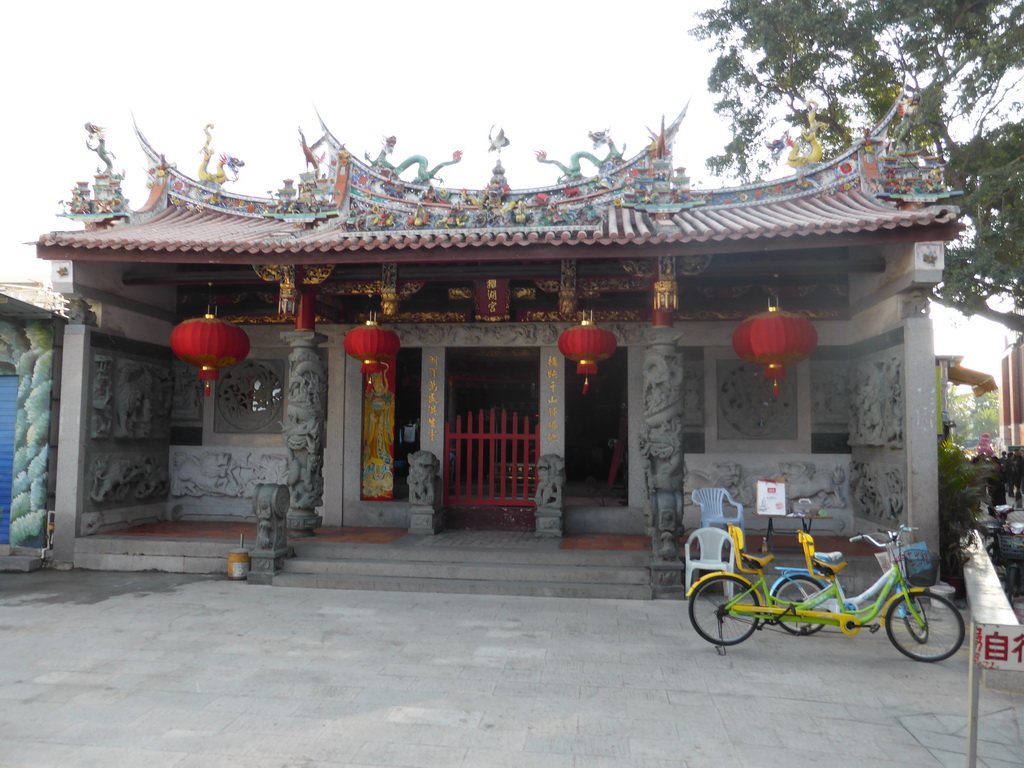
(179, 230)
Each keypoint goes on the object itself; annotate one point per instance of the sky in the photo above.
(437, 76)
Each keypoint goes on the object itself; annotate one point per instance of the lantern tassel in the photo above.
(775, 388)
(586, 384)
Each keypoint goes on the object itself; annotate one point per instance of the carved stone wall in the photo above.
(187, 400)
(131, 387)
(825, 481)
(830, 395)
(222, 472)
(878, 492)
(877, 407)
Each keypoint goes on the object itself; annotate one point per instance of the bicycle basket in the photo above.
(920, 567)
(1011, 546)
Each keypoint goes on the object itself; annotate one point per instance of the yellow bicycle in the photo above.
(726, 608)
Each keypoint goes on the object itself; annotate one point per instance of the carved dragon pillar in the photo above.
(303, 430)
(661, 455)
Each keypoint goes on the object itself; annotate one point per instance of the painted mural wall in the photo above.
(26, 350)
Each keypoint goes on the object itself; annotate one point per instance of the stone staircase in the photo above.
(465, 563)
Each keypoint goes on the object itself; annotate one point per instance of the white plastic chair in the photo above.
(712, 543)
(712, 512)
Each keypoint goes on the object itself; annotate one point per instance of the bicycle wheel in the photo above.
(712, 619)
(938, 635)
(796, 588)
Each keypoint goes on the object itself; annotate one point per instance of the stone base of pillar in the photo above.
(549, 522)
(264, 563)
(302, 524)
(667, 581)
(425, 520)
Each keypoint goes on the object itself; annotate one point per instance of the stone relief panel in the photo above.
(250, 397)
(824, 482)
(877, 408)
(127, 478)
(141, 399)
(102, 396)
(129, 398)
(225, 472)
(878, 491)
(830, 395)
(746, 408)
(693, 394)
(187, 403)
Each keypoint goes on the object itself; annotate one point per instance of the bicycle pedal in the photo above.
(874, 628)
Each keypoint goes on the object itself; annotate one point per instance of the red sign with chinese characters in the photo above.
(999, 646)
(492, 300)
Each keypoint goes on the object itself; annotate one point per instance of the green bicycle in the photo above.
(726, 608)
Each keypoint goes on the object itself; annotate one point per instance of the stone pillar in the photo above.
(661, 454)
(425, 516)
(921, 429)
(270, 503)
(303, 430)
(550, 514)
(71, 482)
(432, 402)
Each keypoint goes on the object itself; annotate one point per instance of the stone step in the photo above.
(543, 552)
(20, 563)
(465, 586)
(495, 570)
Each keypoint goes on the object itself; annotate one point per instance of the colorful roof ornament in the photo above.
(227, 167)
(105, 202)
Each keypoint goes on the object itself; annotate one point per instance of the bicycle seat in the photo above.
(744, 560)
(827, 564)
(829, 558)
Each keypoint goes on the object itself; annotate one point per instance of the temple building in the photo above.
(562, 359)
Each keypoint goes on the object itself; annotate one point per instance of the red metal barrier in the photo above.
(491, 461)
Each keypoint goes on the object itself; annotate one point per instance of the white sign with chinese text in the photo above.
(999, 646)
(771, 498)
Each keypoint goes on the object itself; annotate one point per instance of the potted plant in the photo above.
(961, 497)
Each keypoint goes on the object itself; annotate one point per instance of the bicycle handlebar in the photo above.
(891, 535)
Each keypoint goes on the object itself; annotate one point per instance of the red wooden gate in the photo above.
(491, 462)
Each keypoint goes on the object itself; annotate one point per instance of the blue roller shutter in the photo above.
(8, 414)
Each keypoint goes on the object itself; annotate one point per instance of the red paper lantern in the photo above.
(587, 345)
(209, 344)
(774, 339)
(372, 345)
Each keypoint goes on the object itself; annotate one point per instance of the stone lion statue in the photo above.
(550, 481)
(423, 469)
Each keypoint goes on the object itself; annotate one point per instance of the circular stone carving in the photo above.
(746, 404)
(250, 395)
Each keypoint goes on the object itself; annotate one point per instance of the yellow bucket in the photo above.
(238, 562)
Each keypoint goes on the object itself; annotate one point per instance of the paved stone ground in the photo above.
(150, 670)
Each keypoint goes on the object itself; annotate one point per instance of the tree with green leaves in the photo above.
(855, 58)
(972, 415)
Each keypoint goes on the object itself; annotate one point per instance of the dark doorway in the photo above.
(407, 415)
(595, 433)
